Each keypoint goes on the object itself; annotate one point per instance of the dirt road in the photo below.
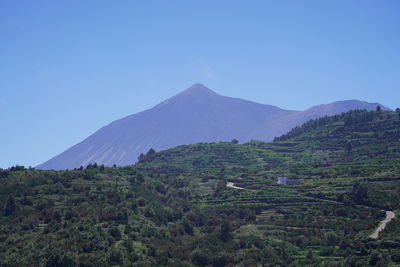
(382, 225)
(232, 185)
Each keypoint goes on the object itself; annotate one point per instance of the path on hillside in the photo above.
(389, 214)
(382, 225)
(232, 185)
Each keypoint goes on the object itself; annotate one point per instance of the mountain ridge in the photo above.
(195, 115)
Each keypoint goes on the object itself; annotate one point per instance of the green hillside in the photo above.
(174, 207)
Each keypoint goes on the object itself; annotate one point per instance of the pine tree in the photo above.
(10, 206)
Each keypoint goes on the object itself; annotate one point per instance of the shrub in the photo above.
(10, 206)
(199, 257)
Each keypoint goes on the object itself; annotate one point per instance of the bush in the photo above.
(225, 231)
(115, 232)
(374, 258)
(10, 206)
(199, 257)
(115, 256)
(187, 227)
(390, 244)
(326, 251)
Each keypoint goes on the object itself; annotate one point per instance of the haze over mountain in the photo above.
(196, 115)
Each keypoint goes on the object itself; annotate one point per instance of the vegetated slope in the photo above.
(355, 147)
(195, 115)
(358, 134)
(173, 207)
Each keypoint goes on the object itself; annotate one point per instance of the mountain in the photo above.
(196, 115)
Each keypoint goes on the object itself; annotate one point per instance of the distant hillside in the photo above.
(195, 115)
(176, 208)
(356, 135)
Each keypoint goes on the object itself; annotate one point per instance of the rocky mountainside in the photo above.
(196, 115)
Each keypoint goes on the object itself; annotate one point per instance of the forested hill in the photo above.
(361, 120)
(351, 136)
(357, 134)
(174, 208)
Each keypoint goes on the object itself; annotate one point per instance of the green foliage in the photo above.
(225, 231)
(199, 258)
(174, 208)
(374, 258)
(10, 207)
(58, 259)
(148, 157)
(360, 193)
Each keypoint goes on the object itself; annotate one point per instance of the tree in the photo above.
(116, 255)
(150, 152)
(199, 257)
(57, 259)
(374, 257)
(221, 186)
(10, 206)
(187, 227)
(378, 108)
(360, 193)
(225, 231)
(149, 155)
(114, 232)
(57, 216)
(349, 147)
(234, 141)
(310, 255)
(331, 238)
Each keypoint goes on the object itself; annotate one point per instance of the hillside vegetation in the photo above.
(174, 208)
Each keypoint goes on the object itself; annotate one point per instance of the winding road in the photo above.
(382, 225)
(389, 214)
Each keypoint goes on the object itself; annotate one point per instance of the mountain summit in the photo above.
(197, 93)
(199, 90)
(195, 115)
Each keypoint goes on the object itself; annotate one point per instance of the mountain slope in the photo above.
(357, 135)
(195, 115)
(331, 153)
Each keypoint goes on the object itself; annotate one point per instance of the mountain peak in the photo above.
(195, 115)
(198, 89)
(196, 92)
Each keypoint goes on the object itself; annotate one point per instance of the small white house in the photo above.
(282, 180)
(285, 181)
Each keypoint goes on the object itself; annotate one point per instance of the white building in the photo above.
(282, 180)
(285, 181)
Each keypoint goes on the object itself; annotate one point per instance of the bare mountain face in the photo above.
(195, 115)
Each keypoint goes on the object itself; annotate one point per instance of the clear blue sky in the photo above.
(68, 68)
